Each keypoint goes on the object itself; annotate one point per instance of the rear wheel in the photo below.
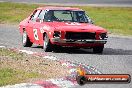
(98, 49)
(25, 40)
(47, 46)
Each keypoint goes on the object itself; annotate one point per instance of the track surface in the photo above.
(117, 56)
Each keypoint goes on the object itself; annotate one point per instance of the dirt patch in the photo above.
(42, 66)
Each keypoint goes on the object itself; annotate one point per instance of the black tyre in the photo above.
(25, 40)
(57, 48)
(98, 49)
(47, 46)
(81, 80)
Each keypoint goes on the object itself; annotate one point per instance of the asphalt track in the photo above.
(116, 59)
(119, 3)
(117, 56)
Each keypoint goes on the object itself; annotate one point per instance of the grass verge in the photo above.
(11, 76)
(116, 19)
(16, 67)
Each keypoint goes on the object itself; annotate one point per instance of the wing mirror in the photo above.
(91, 22)
(37, 20)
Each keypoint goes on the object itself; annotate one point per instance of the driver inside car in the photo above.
(50, 16)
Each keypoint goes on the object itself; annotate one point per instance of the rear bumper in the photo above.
(79, 41)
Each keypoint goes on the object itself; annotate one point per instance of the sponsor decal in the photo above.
(41, 30)
(46, 27)
(73, 23)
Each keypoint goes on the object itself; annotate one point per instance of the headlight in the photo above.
(103, 36)
(57, 34)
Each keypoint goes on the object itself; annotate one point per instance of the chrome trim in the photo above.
(79, 41)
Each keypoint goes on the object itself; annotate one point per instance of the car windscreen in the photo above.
(66, 16)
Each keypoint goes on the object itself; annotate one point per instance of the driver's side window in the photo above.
(35, 15)
(41, 15)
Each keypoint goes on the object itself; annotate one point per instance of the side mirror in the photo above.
(37, 20)
(91, 22)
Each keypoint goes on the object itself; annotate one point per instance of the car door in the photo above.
(38, 26)
(31, 24)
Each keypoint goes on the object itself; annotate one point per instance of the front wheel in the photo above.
(25, 40)
(47, 46)
(98, 49)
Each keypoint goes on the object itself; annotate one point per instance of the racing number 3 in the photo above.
(35, 34)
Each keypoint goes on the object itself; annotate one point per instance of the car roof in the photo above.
(59, 8)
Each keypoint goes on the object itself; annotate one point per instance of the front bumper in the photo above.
(78, 41)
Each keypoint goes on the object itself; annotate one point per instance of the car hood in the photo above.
(73, 26)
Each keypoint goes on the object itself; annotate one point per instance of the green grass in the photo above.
(14, 13)
(17, 67)
(12, 54)
(117, 20)
(11, 76)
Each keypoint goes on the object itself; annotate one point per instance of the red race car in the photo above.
(54, 27)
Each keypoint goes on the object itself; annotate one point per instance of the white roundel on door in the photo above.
(35, 34)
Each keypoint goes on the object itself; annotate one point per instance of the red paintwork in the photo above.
(50, 27)
(58, 8)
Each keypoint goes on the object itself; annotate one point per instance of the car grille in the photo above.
(80, 35)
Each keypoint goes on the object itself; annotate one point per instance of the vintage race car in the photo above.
(54, 27)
